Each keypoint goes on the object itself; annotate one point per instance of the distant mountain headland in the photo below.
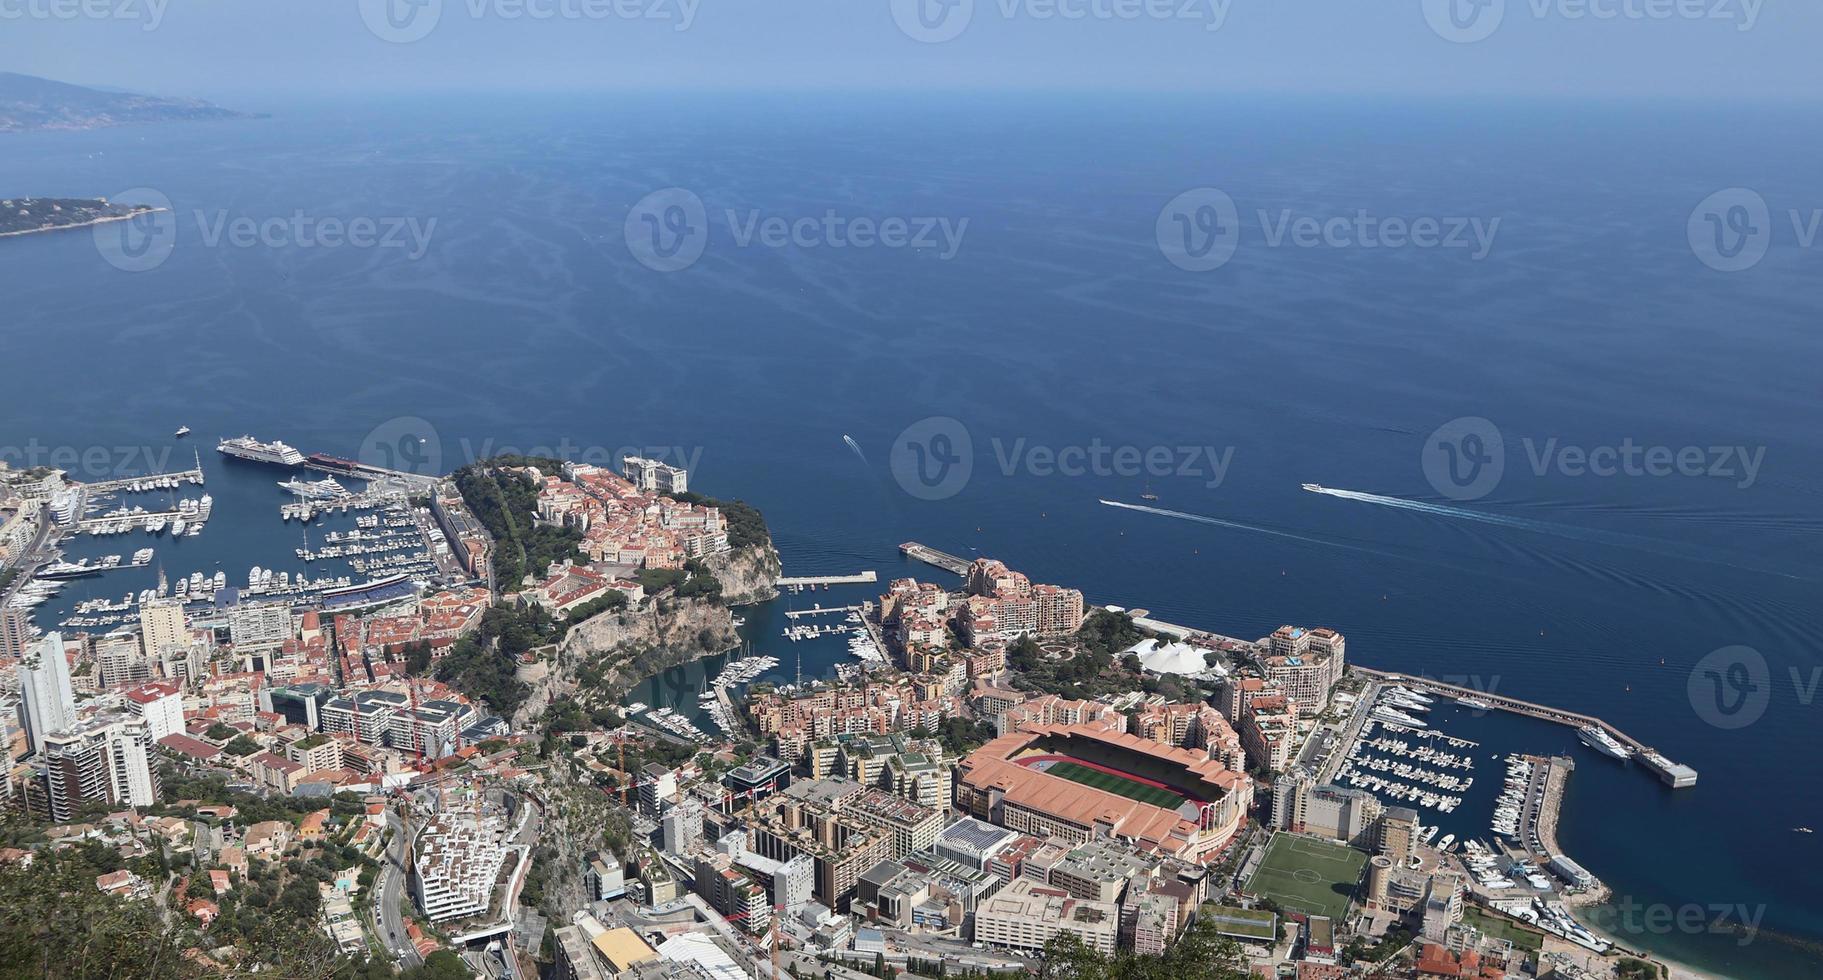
(28, 103)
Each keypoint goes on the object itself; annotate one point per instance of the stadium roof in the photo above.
(992, 767)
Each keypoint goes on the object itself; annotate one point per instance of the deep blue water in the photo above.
(527, 324)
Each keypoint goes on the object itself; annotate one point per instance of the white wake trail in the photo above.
(1460, 513)
(1218, 522)
(1668, 549)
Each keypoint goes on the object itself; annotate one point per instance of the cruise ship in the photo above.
(247, 447)
(1602, 742)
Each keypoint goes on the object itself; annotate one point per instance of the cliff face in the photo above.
(625, 647)
(747, 574)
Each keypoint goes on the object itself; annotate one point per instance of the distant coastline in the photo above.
(29, 104)
(83, 219)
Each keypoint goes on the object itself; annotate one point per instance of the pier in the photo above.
(812, 581)
(822, 610)
(337, 466)
(151, 481)
(1143, 621)
(931, 556)
(1671, 773)
(305, 510)
(1541, 832)
(98, 525)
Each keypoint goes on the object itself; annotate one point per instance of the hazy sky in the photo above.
(251, 49)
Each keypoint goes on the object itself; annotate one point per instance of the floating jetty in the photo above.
(822, 610)
(931, 556)
(1673, 774)
(811, 581)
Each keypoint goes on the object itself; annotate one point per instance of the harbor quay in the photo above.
(1673, 774)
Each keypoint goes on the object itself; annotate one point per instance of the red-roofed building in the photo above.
(160, 704)
(275, 773)
(1436, 961)
(191, 748)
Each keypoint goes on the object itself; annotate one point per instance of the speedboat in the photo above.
(1314, 487)
(182, 430)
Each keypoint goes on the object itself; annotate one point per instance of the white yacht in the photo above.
(1599, 740)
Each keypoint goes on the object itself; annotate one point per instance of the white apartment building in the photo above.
(45, 690)
(104, 758)
(458, 863)
(161, 706)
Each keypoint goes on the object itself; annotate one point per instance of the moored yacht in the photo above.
(1599, 740)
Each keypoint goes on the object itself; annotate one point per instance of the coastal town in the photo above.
(435, 766)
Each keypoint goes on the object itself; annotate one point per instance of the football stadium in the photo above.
(1081, 781)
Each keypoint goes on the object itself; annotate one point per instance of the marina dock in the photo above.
(306, 510)
(931, 556)
(801, 581)
(1673, 774)
(151, 481)
(337, 466)
(822, 610)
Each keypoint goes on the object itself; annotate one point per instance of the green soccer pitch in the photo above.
(1119, 785)
(1304, 874)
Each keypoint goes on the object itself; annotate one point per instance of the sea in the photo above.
(968, 320)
